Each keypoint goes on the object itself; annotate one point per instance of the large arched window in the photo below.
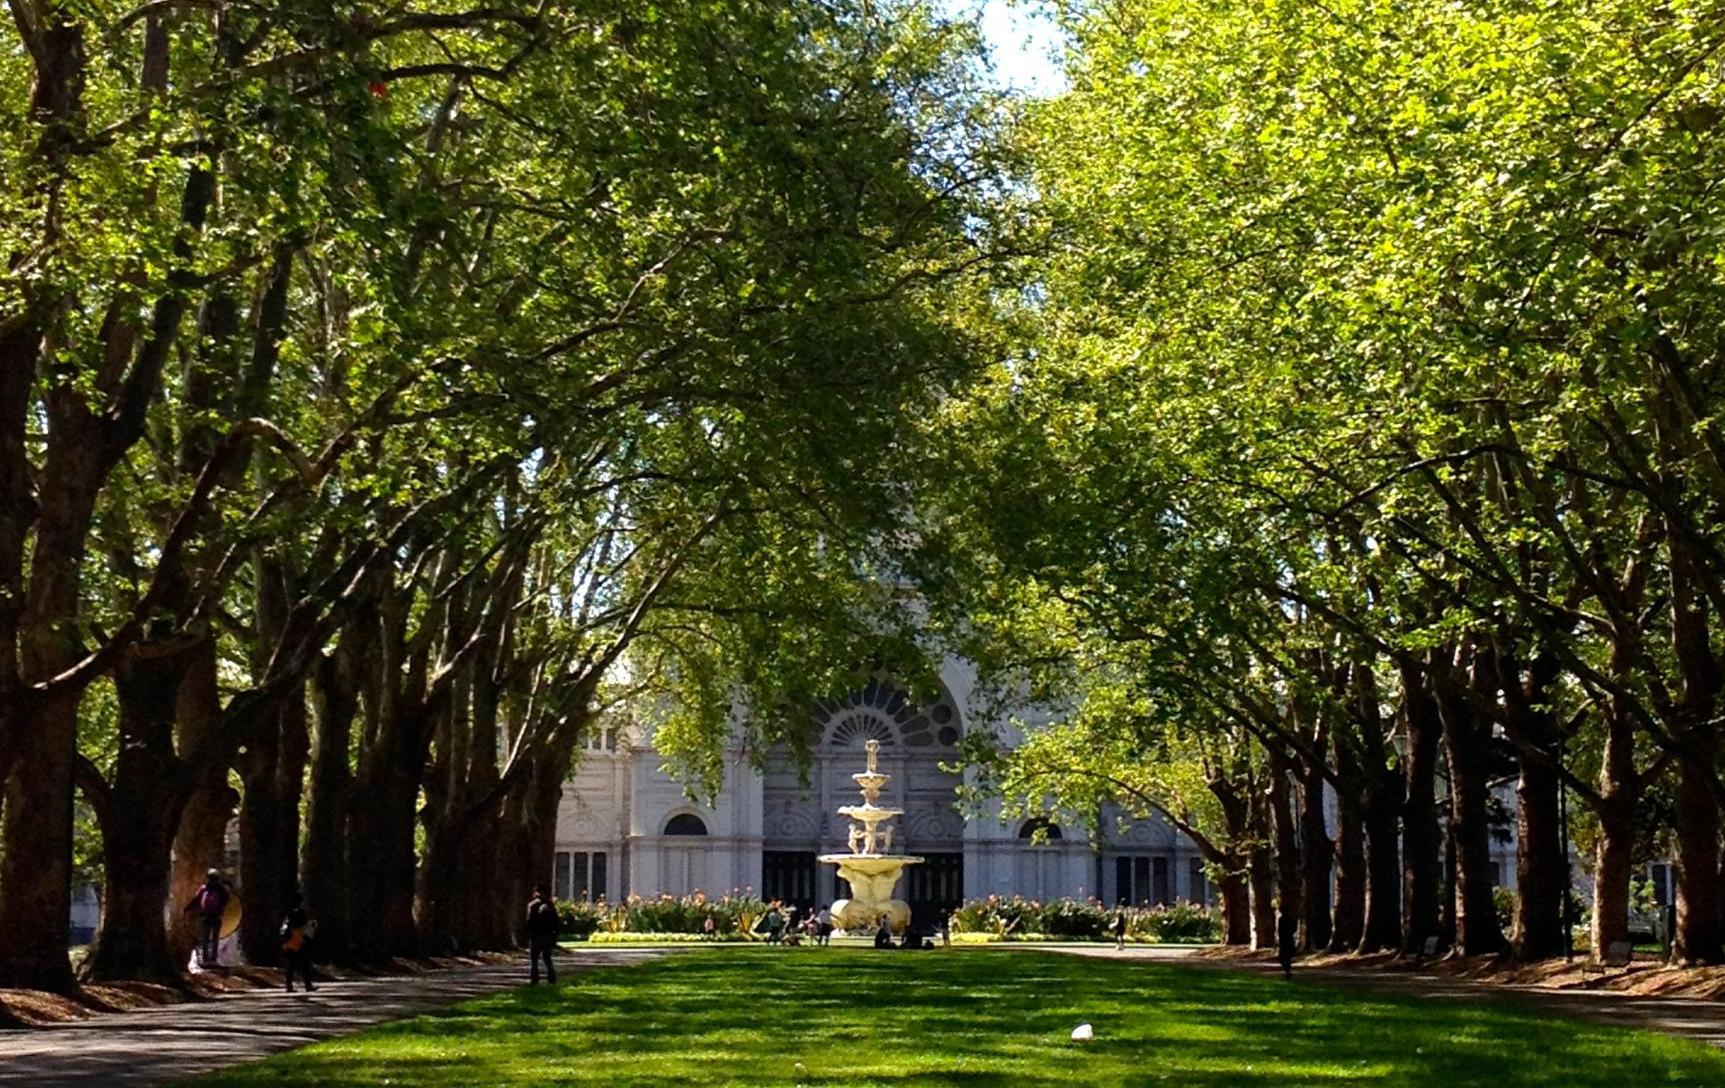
(1049, 829)
(685, 823)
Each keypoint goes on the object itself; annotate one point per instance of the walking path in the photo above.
(173, 1042)
(1685, 1018)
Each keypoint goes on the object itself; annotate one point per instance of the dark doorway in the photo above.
(934, 889)
(789, 876)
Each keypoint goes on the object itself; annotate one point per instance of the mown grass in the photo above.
(864, 1019)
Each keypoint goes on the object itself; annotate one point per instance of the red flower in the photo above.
(378, 88)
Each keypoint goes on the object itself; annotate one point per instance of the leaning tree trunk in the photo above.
(1422, 840)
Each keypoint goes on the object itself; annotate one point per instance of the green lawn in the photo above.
(978, 1018)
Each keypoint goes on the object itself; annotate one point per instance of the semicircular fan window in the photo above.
(859, 729)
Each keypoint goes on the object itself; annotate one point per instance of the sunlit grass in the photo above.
(865, 1019)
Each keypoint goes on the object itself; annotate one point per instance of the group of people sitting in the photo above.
(781, 925)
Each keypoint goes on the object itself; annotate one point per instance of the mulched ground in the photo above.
(35, 1008)
(1644, 977)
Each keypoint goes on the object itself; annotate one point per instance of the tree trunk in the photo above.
(36, 832)
(383, 862)
(1619, 794)
(1383, 922)
(1422, 841)
(1317, 858)
(1613, 863)
(1261, 871)
(1698, 938)
(36, 870)
(1700, 921)
(323, 864)
(1236, 908)
(1467, 738)
(1539, 862)
(201, 842)
(1349, 926)
(1288, 888)
(143, 809)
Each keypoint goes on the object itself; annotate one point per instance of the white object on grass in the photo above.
(1083, 1033)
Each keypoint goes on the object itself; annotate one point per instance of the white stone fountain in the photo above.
(871, 867)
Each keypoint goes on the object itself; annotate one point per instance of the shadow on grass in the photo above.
(855, 1018)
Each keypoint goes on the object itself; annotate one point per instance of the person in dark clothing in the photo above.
(296, 943)
(1120, 929)
(883, 935)
(209, 902)
(1287, 932)
(542, 927)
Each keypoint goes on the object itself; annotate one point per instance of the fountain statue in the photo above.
(871, 867)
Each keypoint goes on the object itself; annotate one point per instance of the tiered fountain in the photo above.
(871, 867)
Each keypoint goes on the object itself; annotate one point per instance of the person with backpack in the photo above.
(296, 934)
(209, 902)
(542, 927)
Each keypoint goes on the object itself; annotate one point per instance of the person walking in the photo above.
(1287, 932)
(296, 943)
(209, 903)
(710, 928)
(1120, 930)
(542, 926)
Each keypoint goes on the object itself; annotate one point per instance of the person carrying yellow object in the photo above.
(296, 943)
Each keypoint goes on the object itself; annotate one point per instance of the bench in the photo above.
(1428, 948)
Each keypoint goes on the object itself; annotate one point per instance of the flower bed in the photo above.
(734, 917)
(1019, 919)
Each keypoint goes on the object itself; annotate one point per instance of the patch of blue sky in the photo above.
(1024, 43)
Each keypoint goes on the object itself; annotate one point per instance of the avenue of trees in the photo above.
(389, 390)
(1314, 400)
(1360, 434)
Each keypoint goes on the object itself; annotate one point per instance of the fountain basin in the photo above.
(870, 813)
(873, 878)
